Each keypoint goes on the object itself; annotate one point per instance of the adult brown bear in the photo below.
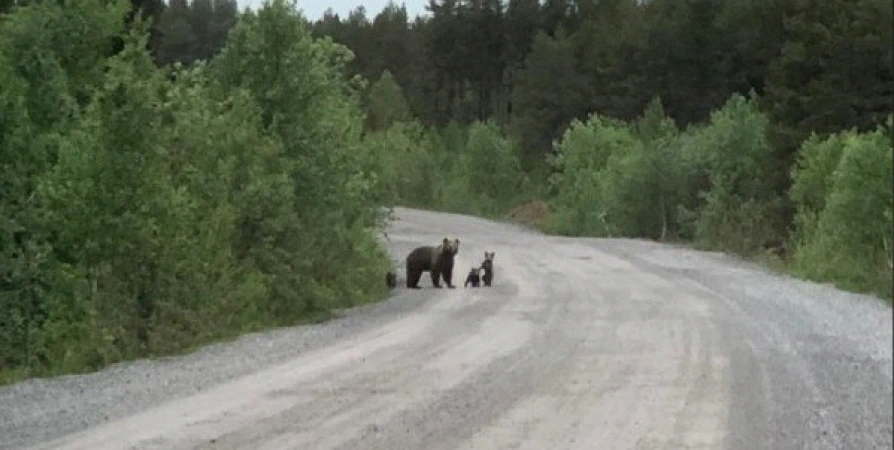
(438, 261)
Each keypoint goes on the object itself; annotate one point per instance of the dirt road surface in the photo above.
(579, 344)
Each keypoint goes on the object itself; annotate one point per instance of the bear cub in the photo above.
(488, 267)
(474, 277)
(391, 279)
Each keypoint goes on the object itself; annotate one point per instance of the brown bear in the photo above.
(438, 261)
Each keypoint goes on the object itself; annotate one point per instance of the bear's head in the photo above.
(449, 247)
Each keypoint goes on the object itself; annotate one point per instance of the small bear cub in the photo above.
(474, 277)
(488, 267)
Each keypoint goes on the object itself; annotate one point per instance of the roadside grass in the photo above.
(537, 216)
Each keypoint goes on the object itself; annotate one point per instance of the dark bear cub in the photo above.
(474, 277)
(438, 261)
(488, 267)
(391, 279)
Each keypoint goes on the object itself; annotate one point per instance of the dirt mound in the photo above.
(531, 213)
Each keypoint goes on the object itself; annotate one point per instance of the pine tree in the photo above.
(387, 104)
(546, 96)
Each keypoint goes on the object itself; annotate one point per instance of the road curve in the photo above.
(580, 344)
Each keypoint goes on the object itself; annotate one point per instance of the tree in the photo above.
(222, 20)
(493, 169)
(559, 15)
(523, 21)
(306, 102)
(680, 59)
(357, 35)
(546, 96)
(834, 71)
(387, 104)
(445, 58)
(606, 44)
(484, 48)
(391, 35)
(192, 32)
(752, 35)
(178, 42)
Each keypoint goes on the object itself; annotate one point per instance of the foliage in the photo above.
(547, 97)
(193, 31)
(813, 178)
(581, 156)
(155, 212)
(387, 104)
(491, 165)
(472, 169)
(647, 180)
(405, 163)
(834, 68)
(641, 188)
(848, 235)
(738, 205)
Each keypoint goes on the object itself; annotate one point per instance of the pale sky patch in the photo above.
(313, 9)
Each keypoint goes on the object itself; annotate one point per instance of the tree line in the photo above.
(178, 173)
(535, 66)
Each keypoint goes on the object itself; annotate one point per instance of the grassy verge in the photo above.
(536, 216)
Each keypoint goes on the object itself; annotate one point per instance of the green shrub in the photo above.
(850, 240)
(813, 178)
(404, 163)
(740, 210)
(580, 156)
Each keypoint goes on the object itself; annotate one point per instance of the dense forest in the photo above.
(183, 172)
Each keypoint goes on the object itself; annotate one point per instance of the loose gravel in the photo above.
(38, 410)
(809, 366)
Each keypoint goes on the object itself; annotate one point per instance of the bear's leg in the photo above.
(448, 278)
(435, 276)
(413, 277)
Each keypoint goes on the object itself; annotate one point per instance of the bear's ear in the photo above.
(445, 241)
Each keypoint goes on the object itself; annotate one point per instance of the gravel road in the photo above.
(579, 344)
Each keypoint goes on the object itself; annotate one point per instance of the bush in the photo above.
(649, 180)
(813, 178)
(580, 156)
(846, 236)
(491, 167)
(405, 164)
(641, 187)
(472, 170)
(740, 209)
(50, 60)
